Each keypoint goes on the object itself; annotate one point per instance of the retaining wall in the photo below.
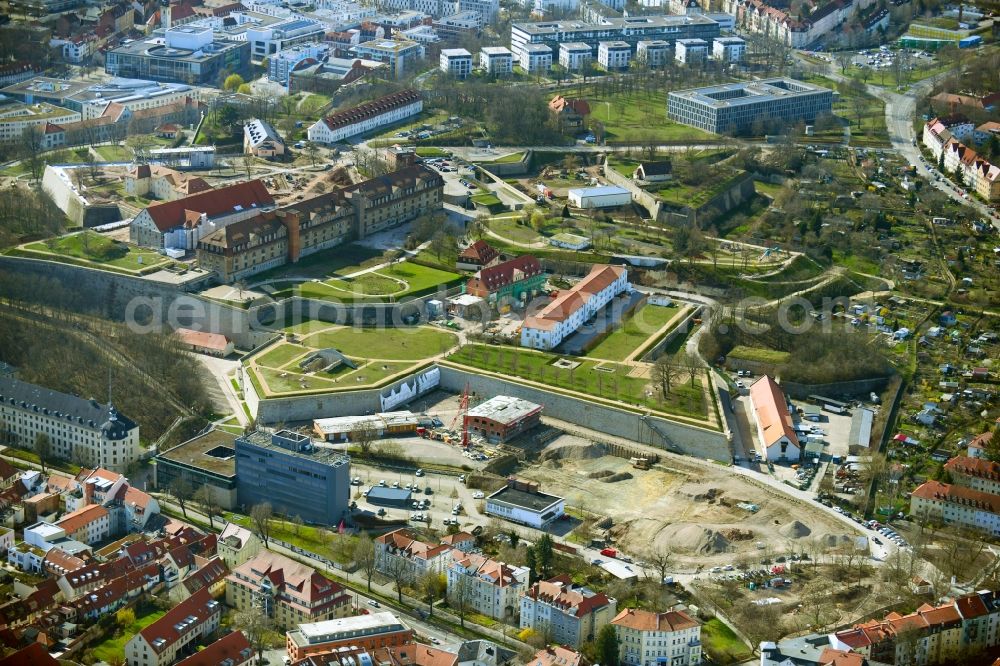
(862, 387)
(508, 168)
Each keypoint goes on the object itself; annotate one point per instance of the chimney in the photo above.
(88, 492)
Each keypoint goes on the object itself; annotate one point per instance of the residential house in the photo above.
(162, 183)
(572, 113)
(650, 639)
(976, 473)
(511, 282)
(557, 655)
(952, 504)
(477, 256)
(89, 524)
(289, 593)
(978, 444)
(774, 422)
(208, 574)
(401, 551)
(205, 342)
(489, 587)
(117, 592)
(177, 633)
(260, 139)
(571, 614)
(233, 649)
(461, 541)
(237, 544)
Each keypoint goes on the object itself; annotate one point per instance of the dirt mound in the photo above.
(620, 476)
(686, 537)
(736, 534)
(794, 530)
(701, 492)
(600, 474)
(829, 540)
(573, 451)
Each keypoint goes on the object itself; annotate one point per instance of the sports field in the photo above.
(377, 355)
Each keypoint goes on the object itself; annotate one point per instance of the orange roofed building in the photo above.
(774, 422)
(648, 639)
(568, 311)
(571, 614)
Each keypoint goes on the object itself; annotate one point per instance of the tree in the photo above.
(844, 60)
(460, 596)
(365, 436)
(42, 447)
(32, 146)
(607, 645)
(205, 496)
(180, 489)
(432, 586)
(257, 627)
(664, 374)
(366, 557)
(544, 556)
(660, 561)
(260, 519)
(245, 89)
(991, 445)
(312, 152)
(232, 83)
(398, 570)
(125, 618)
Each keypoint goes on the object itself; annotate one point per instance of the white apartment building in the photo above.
(77, 429)
(690, 51)
(400, 55)
(492, 588)
(400, 548)
(570, 614)
(160, 643)
(654, 53)
(536, 58)
(952, 504)
(456, 63)
(89, 524)
(572, 307)
(367, 117)
(267, 37)
(575, 56)
(614, 55)
(237, 545)
(16, 118)
(976, 473)
(496, 60)
(652, 639)
(729, 49)
(283, 62)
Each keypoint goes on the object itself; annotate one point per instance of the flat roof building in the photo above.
(653, 53)
(376, 630)
(297, 477)
(690, 51)
(614, 55)
(738, 108)
(206, 460)
(91, 99)
(185, 54)
(456, 63)
(575, 56)
(394, 498)
(496, 60)
(522, 502)
(503, 417)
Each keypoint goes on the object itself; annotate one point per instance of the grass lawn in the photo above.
(638, 116)
(511, 230)
(114, 153)
(767, 189)
(280, 355)
(509, 159)
(612, 381)
(759, 354)
(341, 260)
(290, 382)
(333, 546)
(114, 648)
(394, 344)
(431, 151)
(851, 106)
(421, 279)
(489, 200)
(91, 246)
(643, 323)
(721, 644)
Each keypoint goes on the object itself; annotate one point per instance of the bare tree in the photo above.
(431, 586)
(460, 593)
(42, 447)
(257, 627)
(260, 518)
(665, 373)
(205, 496)
(365, 557)
(660, 560)
(180, 489)
(398, 570)
(365, 436)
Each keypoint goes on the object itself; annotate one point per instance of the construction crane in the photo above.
(463, 408)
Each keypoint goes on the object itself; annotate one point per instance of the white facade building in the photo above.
(16, 118)
(654, 53)
(728, 49)
(690, 51)
(522, 503)
(367, 117)
(456, 63)
(606, 196)
(76, 428)
(652, 639)
(491, 588)
(161, 643)
(536, 58)
(614, 55)
(572, 307)
(496, 60)
(575, 56)
(774, 422)
(283, 62)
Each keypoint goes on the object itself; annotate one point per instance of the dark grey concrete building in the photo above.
(734, 108)
(296, 476)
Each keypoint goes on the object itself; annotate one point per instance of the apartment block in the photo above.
(650, 639)
(571, 614)
(575, 56)
(89, 524)
(176, 634)
(489, 587)
(297, 478)
(690, 51)
(976, 473)
(952, 504)
(654, 53)
(456, 63)
(496, 60)
(375, 631)
(77, 428)
(286, 591)
(401, 56)
(736, 107)
(535, 58)
(237, 544)
(728, 49)
(403, 552)
(614, 56)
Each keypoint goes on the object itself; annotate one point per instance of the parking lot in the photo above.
(436, 499)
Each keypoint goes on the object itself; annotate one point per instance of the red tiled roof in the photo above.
(979, 468)
(370, 109)
(234, 647)
(82, 517)
(643, 620)
(309, 586)
(479, 252)
(407, 542)
(946, 492)
(832, 657)
(199, 605)
(772, 411)
(559, 104)
(556, 655)
(34, 654)
(202, 339)
(980, 441)
(571, 300)
(213, 203)
(505, 273)
(560, 592)
(209, 573)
